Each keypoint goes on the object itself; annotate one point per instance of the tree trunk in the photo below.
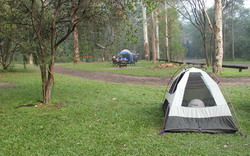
(145, 32)
(232, 14)
(47, 82)
(44, 81)
(217, 67)
(224, 36)
(31, 59)
(205, 50)
(76, 46)
(166, 27)
(157, 36)
(153, 37)
(75, 34)
(5, 67)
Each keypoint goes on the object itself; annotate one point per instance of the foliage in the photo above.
(241, 29)
(7, 47)
(102, 119)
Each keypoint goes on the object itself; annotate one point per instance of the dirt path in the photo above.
(138, 80)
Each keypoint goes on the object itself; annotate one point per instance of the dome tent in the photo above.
(196, 103)
(128, 55)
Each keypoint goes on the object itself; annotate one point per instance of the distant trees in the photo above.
(234, 24)
(166, 33)
(194, 12)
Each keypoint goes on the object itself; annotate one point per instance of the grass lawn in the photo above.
(101, 118)
(143, 68)
(146, 70)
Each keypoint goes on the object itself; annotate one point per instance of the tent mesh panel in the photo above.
(175, 83)
(197, 89)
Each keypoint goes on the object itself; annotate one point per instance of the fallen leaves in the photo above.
(162, 66)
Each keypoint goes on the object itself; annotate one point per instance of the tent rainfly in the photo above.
(195, 103)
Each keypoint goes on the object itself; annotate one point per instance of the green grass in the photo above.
(84, 119)
(143, 70)
(146, 69)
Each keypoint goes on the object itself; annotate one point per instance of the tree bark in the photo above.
(145, 32)
(217, 67)
(157, 35)
(205, 50)
(153, 38)
(232, 14)
(31, 59)
(75, 34)
(166, 28)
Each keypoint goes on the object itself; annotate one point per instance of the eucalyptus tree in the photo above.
(166, 32)
(218, 37)
(50, 23)
(145, 31)
(153, 37)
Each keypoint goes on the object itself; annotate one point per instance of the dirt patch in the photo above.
(7, 84)
(138, 80)
(163, 66)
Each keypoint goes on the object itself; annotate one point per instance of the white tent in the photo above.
(196, 103)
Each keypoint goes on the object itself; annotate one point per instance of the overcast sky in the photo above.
(246, 2)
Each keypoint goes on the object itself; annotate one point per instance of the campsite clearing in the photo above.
(84, 119)
(138, 80)
(145, 69)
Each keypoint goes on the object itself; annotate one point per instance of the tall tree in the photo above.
(157, 38)
(153, 37)
(49, 23)
(166, 31)
(232, 28)
(145, 32)
(75, 31)
(217, 66)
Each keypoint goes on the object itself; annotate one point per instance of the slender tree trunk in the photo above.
(217, 67)
(145, 32)
(5, 67)
(31, 59)
(224, 37)
(205, 50)
(75, 34)
(47, 71)
(232, 14)
(76, 46)
(44, 81)
(157, 36)
(166, 27)
(211, 45)
(153, 38)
